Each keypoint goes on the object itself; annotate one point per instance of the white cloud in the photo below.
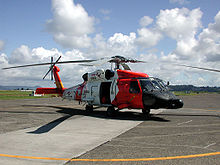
(105, 14)
(122, 44)
(41, 53)
(33, 75)
(148, 37)
(216, 25)
(2, 45)
(70, 25)
(3, 60)
(20, 55)
(119, 39)
(145, 21)
(105, 11)
(181, 2)
(117, 44)
(209, 39)
(181, 25)
(73, 41)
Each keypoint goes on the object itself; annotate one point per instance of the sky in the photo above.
(160, 32)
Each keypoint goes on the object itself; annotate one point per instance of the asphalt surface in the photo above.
(190, 135)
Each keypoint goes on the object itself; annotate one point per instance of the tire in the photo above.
(89, 108)
(146, 112)
(111, 111)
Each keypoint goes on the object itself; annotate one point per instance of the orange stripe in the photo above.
(113, 160)
(147, 159)
(33, 157)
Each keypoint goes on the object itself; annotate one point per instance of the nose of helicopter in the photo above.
(157, 100)
(175, 104)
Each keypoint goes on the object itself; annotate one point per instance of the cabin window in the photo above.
(134, 87)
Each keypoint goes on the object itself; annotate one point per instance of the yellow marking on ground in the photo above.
(33, 157)
(114, 160)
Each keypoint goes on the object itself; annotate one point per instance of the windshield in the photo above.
(156, 85)
(162, 84)
(152, 84)
(147, 85)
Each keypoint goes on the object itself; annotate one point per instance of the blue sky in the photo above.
(26, 23)
(23, 21)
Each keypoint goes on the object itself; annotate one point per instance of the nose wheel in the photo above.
(146, 112)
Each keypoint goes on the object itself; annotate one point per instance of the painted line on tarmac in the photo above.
(114, 160)
(210, 145)
(33, 157)
(184, 122)
(196, 109)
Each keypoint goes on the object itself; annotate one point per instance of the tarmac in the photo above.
(52, 131)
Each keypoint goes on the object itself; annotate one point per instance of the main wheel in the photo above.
(146, 112)
(89, 108)
(111, 111)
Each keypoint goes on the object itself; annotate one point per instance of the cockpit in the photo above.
(153, 84)
(156, 94)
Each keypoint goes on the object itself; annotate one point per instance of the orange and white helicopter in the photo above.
(115, 88)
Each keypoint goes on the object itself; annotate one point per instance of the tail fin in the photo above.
(58, 81)
(59, 85)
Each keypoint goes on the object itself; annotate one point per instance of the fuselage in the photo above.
(123, 89)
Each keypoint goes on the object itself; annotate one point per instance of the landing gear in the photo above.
(146, 112)
(89, 108)
(111, 111)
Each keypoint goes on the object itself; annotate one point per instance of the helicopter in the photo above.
(115, 88)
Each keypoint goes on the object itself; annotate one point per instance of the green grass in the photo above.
(17, 94)
(182, 93)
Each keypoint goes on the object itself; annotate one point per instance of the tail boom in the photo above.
(49, 91)
(59, 85)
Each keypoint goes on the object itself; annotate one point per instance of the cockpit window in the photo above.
(162, 84)
(156, 85)
(152, 84)
(147, 85)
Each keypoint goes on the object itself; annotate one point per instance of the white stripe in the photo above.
(185, 122)
(209, 145)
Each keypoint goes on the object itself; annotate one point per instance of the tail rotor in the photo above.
(51, 67)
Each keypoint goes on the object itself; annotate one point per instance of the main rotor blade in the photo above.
(48, 63)
(201, 68)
